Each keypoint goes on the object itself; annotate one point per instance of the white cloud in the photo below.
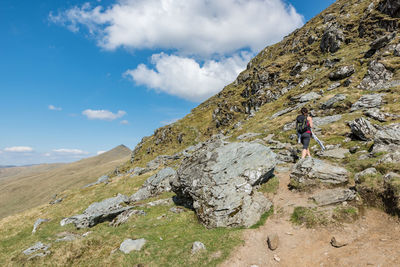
(101, 152)
(196, 27)
(69, 151)
(124, 122)
(103, 114)
(185, 78)
(51, 107)
(18, 149)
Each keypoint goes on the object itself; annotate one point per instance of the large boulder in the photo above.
(377, 77)
(367, 101)
(387, 138)
(342, 73)
(98, 212)
(362, 129)
(219, 181)
(155, 185)
(332, 101)
(331, 39)
(310, 172)
(375, 114)
(333, 196)
(378, 44)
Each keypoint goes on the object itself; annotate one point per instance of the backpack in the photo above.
(301, 124)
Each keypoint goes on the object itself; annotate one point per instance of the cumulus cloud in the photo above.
(103, 114)
(51, 107)
(200, 27)
(70, 151)
(184, 77)
(18, 149)
(124, 122)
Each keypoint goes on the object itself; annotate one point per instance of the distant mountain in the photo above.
(6, 166)
(25, 187)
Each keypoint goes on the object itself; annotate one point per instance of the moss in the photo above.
(271, 186)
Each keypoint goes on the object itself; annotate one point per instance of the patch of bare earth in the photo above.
(373, 240)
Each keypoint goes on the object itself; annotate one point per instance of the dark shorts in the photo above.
(305, 140)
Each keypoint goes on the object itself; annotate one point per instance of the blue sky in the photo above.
(78, 78)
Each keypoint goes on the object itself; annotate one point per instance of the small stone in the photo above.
(337, 244)
(36, 247)
(197, 247)
(130, 245)
(176, 210)
(37, 223)
(277, 258)
(273, 241)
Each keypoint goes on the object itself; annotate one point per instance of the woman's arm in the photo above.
(311, 122)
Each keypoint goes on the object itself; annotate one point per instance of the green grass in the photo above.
(271, 186)
(263, 218)
(345, 214)
(309, 217)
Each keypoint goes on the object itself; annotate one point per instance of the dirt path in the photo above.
(373, 240)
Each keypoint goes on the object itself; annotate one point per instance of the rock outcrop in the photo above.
(219, 180)
(390, 7)
(368, 101)
(387, 139)
(362, 129)
(333, 196)
(332, 101)
(98, 212)
(155, 185)
(342, 73)
(376, 78)
(311, 172)
(331, 39)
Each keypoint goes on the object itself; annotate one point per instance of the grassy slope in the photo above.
(180, 230)
(31, 186)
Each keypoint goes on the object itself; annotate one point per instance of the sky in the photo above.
(78, 78)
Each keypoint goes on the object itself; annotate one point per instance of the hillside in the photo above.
(232, 163)
(22, 188)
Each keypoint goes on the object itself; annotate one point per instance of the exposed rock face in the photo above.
(298, 68)
(130, 245)
(331, 39)
(37, 223)
(378, 44)
(337, 153)
(375, 114)
(309, 97)
(390, 7)
(362, 129)
(387, 138)
(219, 178)
(368, 101)
(333, 196)
(102, 179)
(330, 102)
(99, 212)
(333, 86)
(124, 216)
(341, 73)
(391, 158)
(376, 78)
(37, 247)
(310, 171)
(155, 185)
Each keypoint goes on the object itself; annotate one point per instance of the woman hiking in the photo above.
(304, 125)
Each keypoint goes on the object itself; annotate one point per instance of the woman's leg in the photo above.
(303, 153)
(308, 152)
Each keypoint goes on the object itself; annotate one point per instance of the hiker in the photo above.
(304, 125)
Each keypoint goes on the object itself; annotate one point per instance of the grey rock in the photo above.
(103, 179)
(247, 136)
(298, 68)
(98, 212)
(287, 155)
(375, 114)
(67, 237)
(377, 77)
(393, 157)
(333, 100)
(56, 201)
(124, 216)
(362, 129)
(333, 196)
(159, 202)
(139, 171)
(37, 223)
(40, 255)
(367, 101)
(329, 17)
(219, 181)
(330, 63)
(359, 175)
(305, 82)
(378, 44)
(390, 7)
(311, 171)
(331, 39)
(197, 247)
(341, 73)
(273, 241)
(130, 245)
(396, 51)
(333, 86)
(391, 176)
(176, 210)
(35, 248)
(336, 243)
(387, 138)
(337, 153)
(309, 97)
(354, 149)
(155, 185)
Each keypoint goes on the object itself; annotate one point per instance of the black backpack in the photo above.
(301, 124)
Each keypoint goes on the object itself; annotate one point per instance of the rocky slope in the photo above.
(218, 162)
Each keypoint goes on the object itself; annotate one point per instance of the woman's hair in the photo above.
(304, 111)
